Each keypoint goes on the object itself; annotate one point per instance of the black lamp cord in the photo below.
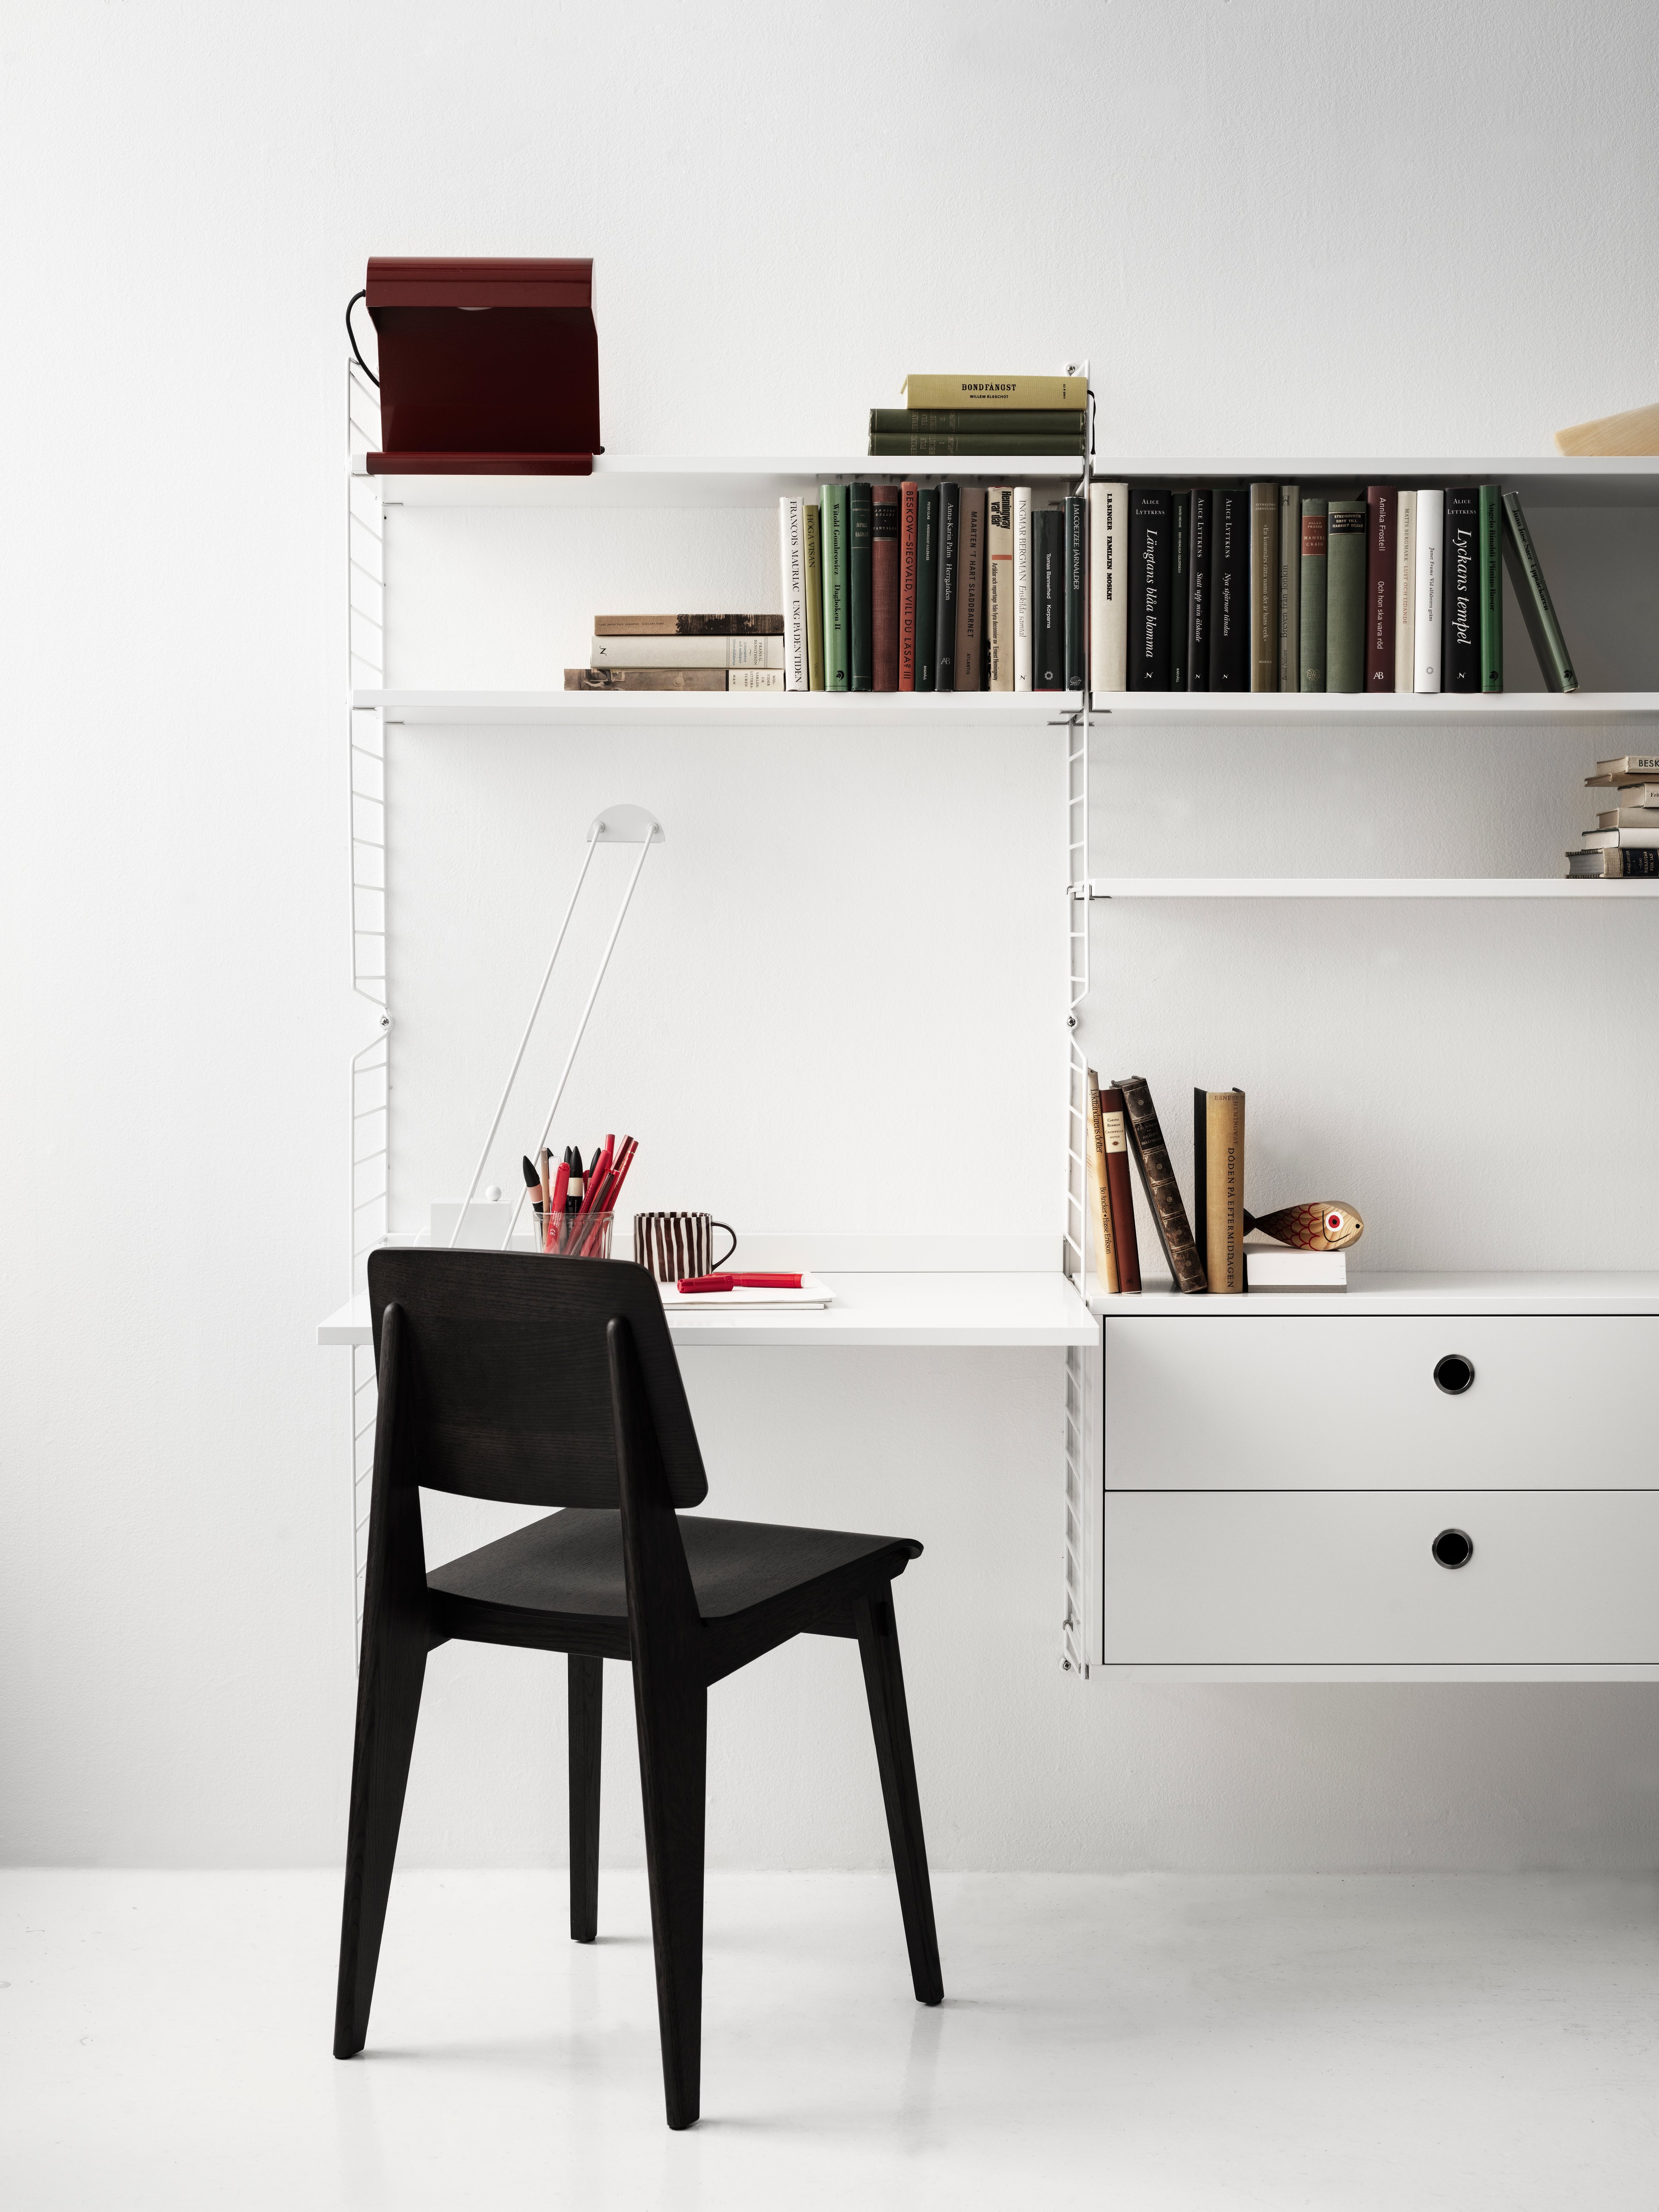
(352, 335)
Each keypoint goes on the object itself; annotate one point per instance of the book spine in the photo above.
(1492, 588)
(1119, 1191)
(884, 587)
(1289, 587)
(1157, 1176)
(1022, 587)
(1100, 1204)
(1430, 583)
(1632, 860)
(1382, 551)
(812, 569)
(1229, 593)
(1076, 572)
(1264, 587)
(1462, 645)
(1405, 594)
(1315, 598)
(944, 638)
(1344, 595)
(688, 625)
(1537, 609)
(792, 547)
(1047, 600)
(1198, 592)
(1109, 627)
(999, 585)
(687, 652)
(1070, 393)
(1148, 588)
(648, 679)
(927, 588)
(996, 422)
(832, 509)
(971, 587)
(754, 679)
(969, 446)
(1180, 566)
(860, 604)
(909, 500)
(1222, 1243)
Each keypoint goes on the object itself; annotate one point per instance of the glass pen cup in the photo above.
(586, 1238)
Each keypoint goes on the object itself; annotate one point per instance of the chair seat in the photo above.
(568, 1568)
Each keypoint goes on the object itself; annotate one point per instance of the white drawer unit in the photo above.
(1422, 1478)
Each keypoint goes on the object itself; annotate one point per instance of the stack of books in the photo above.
(962, 415)
(1625, 841)
(683, 653)
(1277, 587)
(919, 587)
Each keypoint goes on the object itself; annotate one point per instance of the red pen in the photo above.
(695, 1283)
(556, 1211)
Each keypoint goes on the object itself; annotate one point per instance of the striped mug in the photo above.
(676, 1245)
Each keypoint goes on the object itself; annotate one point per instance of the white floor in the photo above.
(1143, 2042)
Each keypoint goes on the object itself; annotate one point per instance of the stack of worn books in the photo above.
(1624, 843)
(683, 653)
(960, 416)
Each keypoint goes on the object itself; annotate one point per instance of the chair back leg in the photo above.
(586, 1697)
(884, 1684)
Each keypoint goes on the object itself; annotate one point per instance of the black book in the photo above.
(1150, 562)
(1459, 647)
(860, 530)
(1181, 565)
(926, 587)
(1048, 600)
(1198, 594)
(1075, 573)
(1230, 588)
(945, 640)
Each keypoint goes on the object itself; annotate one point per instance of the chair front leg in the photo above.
(587, 1715)
(889, 1719)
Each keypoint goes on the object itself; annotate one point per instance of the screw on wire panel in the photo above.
(1070, 1021)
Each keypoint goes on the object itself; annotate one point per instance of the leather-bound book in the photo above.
(971, 587)
(945, 634)
(1100, 1204)
(1381, 561)
(884, 587)
(1218, 1188)
(1148, 588)
(860, 512)
(1461, 646)
(1229, 589)
(1157, 1176)
(927, 587)
(1120, 1190)
(1198, 593)
(909, 502)
(1264, 587)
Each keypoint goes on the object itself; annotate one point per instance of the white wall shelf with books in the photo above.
(1300, 709)
(591, 709)
(1361, 887)
(1424, 1295)
(1541, 481)
(655, 480)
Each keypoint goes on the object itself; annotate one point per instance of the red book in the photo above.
(906, 625)
(1381, 520)
(1120, 1191)
(884, 586)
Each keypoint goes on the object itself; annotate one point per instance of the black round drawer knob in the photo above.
(1454, 1374)
(1453, 1547)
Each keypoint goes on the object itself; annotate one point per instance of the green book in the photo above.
(1311, 621)
(833, 550)
(966, 443)
(1345, 538)
(927, 588)
(861, 658)
(1492, 587)
(812, 562)
(1000, 422)
(1537, 608)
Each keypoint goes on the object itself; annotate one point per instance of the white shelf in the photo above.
(1541, 479)
(1425, 1294)
(940, 1310)
(591, 709)
(666, 480)
(1485, 708)
(1367, 887)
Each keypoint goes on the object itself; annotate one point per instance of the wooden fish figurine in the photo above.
(1325, 1225)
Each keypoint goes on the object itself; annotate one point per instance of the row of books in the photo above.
(1211, 1251)
(976, 416)
(1273, 587)
(683, 653)
(1624, 843)
(932, 587)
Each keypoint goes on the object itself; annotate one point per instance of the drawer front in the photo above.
(1349, 1578)
(1242, 1404)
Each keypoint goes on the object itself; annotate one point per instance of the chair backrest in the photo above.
(507, 1383)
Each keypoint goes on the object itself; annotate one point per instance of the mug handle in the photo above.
(715, 1266)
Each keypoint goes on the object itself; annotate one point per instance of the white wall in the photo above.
(1272, 228)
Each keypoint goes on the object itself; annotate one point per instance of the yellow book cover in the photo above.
(1222, 1248)
(813, 564)
(1072, 391)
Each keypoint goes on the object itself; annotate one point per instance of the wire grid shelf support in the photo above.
(370, 1068)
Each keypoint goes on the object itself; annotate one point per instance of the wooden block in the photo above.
(1635, 431)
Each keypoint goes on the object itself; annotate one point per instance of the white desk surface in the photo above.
(1379, 1294)
(956, 1307)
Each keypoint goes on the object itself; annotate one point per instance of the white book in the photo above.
(1108, 586)
(1022, 587)
(1269, 1267)
(1605, 841)
(1629, 794)
(1405, 595)
(1628, 817)
(792, 546)
(761, 679)
(999, 585)
(1289, 588)
(687, 652)
(1430, 584)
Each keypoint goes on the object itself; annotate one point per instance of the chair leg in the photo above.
(587, 1708)
(884, 1683)
(388, 1705)
(673, 1764)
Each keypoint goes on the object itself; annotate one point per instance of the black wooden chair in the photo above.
(553, 1382)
